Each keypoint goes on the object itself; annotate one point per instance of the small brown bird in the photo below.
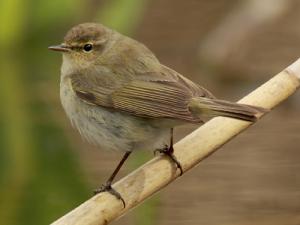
(120, 97)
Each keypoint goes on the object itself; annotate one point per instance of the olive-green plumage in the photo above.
(119, 96)
(107, 76)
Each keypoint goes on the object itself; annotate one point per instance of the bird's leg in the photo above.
(169, 150)
(107, 186)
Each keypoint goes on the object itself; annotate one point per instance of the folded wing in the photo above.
(152, 95)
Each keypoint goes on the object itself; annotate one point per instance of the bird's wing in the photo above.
(163, 95)
(91, 89)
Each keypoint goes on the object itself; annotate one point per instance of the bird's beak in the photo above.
(60, 48)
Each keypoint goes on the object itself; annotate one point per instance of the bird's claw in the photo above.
(168, 151)
(108, 188)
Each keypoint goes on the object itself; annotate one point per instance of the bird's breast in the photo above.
(111, 130)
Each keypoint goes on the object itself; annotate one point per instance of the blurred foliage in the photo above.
(41, 174)
(40, 177)
(117, 14)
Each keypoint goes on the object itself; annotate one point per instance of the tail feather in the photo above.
(215, 107)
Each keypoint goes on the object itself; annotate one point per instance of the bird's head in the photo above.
(84, 44)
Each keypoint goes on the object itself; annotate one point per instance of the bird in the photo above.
(119, 96)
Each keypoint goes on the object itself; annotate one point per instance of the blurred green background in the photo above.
(230, 47)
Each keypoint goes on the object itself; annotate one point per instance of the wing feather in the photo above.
(165, 95)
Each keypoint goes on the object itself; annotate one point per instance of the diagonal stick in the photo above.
(159, 172)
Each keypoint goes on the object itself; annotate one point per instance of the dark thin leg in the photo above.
(169, 150)
(171, 138)
(107, 186)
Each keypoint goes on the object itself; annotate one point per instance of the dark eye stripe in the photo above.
(75, 47)
(80, 47)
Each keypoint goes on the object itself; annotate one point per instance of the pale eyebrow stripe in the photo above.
(100, 42)
(96, 43)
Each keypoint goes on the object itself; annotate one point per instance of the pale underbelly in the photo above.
(111, 130)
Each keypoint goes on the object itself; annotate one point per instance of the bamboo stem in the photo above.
(158, 172)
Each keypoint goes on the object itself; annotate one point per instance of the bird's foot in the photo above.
(107, 187)
(168, 151)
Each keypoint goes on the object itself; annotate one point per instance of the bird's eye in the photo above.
(88, 47)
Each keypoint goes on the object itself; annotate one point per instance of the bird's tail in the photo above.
(214, 107)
